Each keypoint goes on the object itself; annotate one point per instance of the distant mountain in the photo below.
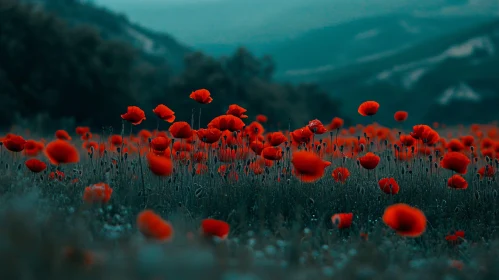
(328, 48)
(451, 79)
(156, 47)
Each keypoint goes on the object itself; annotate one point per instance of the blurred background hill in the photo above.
(292, 60)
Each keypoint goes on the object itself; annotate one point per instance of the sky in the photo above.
(197, 22)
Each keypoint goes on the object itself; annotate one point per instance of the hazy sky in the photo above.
(197, 22)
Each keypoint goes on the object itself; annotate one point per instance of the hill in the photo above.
(451, 79)
(324, 49)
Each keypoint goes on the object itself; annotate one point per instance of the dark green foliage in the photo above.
(73, 72)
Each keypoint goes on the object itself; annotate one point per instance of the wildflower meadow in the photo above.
(242, 197)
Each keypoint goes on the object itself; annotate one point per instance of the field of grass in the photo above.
(279, 203)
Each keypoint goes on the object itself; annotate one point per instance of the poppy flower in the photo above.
(82, 130)
(389, 186)
(160, 166)
(407, 140)
(164, 113)
(316, 127)
(202, 96)
(369, 161)
(33, 148)
(467, 140)
(90, 145)
(341, 174)
(184, 147)
(116, 140)
(152, 226)
(400, 116)
(59, 175)
(457, 182)
(368, 108)
(97, 193)
(87, 136)
(237, 111)
(201, 169)
(210, 135)
(254, 130)
(14, 143)
(486, 171)
(61, 152)
(257, 147)
(418, 130)
(308, 166)
(227, 122)
(62, 135)
(160, 143)
(405, 220)
(272, 153)
(134, 115)
(145, 134)
(456, 238)
(456, 162)
(336, 123)
(455, 145)
(181, 130)
(342, 220)
(430, 137)
(35, 165)
(276, 138)
(212, 227)
(261, 118)
(302, 135)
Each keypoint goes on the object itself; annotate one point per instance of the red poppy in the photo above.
(33, 148)
(405, 220)
(487, 171)
(181, 130)
(389, 186)
(160, 166)
(227, 122)
(407, 140)
(237, 111)
(14, 143)
(164, 113)
(336, 123)
(97, 193)
(341, 174)
(342, 220)
(134, 115)
(457, 182)
(202, 96)
(116, 140)
(82, 130)
(302, 135)
(61, 152)
(456, 238)
(35, 165)
(212, 227)
(368, 108)
(455, 161)
(87, 136)
(257, 147)
(160, 143)
(261, 118)
(210, 135)
(145, 134)
(316, 127)
(272, 153)
(62, 135)
(59, 175)
(89, 145)
(254, 130)
(308, 166)
(400, 116)
(201, 169)
(418, 130)
(369, 161)
(152, 226)
(468, 140)
(184, 147)
(455, 145)
(276, 138)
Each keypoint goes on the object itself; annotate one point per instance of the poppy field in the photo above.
(240, 198)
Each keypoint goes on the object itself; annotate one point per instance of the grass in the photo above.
(280, 229)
